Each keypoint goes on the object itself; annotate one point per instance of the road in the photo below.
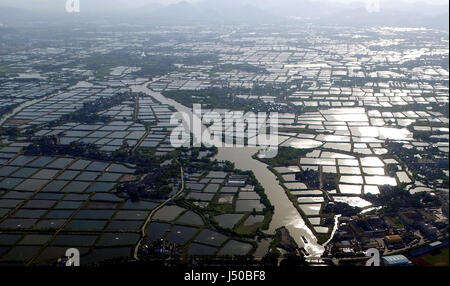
(152, 213)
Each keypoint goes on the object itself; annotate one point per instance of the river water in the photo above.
(285, 213)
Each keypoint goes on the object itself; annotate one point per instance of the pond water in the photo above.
(252, 220)
(350, 189)
(351, 179)
(382, 132)
(263, 248)
(209, 237)
(201, 249)
(381, 180)
(234, 247)
(168, 213)
(228, 220)
(403, 177)
(181, 234)
(285, 170)
(420, 189)
(353, 201)
(190, 218)
(311, 209)
(374, 190)
(86, 225)
(302, 143)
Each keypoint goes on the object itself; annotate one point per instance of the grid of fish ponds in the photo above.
(54, 107)
(186, 228)
(49, 204)
(349, 144)
(108, 137)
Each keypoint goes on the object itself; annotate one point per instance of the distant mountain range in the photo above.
(211, 11)
(237, 11)
(9, 13)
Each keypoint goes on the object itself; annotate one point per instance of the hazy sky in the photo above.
(140, 2)
(111, 4)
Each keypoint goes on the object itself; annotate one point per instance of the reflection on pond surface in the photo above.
(234, 247)
(353, 201)
(382, 132)
(381, 180)
(350, 189)
(302, 143)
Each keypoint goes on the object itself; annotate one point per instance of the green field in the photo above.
(440, 259)
(396, 220)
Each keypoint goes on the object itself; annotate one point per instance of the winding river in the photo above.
(285, 213)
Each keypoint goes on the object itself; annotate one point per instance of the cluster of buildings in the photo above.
(387, 233)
